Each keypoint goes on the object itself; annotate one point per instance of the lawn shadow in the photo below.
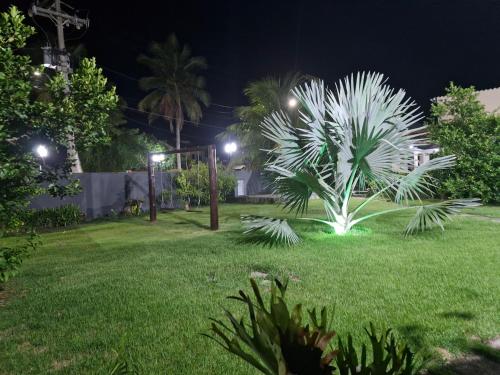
(470, 364)
(186, 220)
(414, 336)
(462, 315)
(257, 239)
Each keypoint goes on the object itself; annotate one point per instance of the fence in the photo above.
(103, 193)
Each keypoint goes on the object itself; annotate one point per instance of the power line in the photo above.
(137, 79)
(160, 129)
(172, 118)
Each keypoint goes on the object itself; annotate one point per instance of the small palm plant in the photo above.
(360, 134)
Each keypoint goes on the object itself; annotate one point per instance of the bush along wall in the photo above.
(63, 216)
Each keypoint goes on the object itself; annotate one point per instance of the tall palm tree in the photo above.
(265, 96)
(176, 90)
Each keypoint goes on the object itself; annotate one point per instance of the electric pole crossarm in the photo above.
(67, 19)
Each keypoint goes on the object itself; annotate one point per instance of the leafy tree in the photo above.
(360, 133)
(265, 97)
(127, 150)
(460, 125)
(24, 121)
(82, 114)
(176, 90)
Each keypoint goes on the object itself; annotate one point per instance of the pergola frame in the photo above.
(212, 173)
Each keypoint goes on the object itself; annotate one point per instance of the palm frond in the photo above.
(269, 230)
(435, 214)
(287, 151)
(370, 121)
(418, 182)
(315, 136)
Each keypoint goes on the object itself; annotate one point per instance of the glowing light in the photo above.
(42, 151)
(292, 103)
(229, 148)
(37, 73)
(157, 157)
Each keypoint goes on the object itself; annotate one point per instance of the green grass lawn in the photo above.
(155, 286)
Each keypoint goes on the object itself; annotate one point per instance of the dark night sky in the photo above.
(420, 44)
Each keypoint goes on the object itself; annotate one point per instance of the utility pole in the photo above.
(62, 64)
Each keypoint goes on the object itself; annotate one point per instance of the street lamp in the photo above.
(230, 148)
(292, 103)
(42, 152)
(156, 158)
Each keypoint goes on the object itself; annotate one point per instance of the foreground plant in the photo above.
(361, 134)
(279, 341)
(276, 340)
(387, 356)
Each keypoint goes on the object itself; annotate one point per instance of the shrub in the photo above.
(279, 341)
(133, 207)
(193, 185)
(460, 125)
(11, 258)
(62, 216)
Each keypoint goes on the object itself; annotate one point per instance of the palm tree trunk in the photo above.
(178, 143)
(179, 120)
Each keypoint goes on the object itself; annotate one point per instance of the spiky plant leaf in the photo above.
(435, 214)
(278, 129)
(272, 230)
(277, 340)
(419, 182)
(315, 135)
(372, 122)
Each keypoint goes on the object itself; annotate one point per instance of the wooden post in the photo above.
(152, 194)
(212, 172)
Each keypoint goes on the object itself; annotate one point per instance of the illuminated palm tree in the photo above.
(360, 133)
(176, 90)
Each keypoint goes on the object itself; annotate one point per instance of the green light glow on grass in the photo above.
(358, 230)
(328, 233)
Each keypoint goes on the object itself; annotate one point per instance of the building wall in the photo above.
(104, 192)
(490, 99)
(253, 181)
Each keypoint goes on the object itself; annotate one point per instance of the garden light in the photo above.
(42, 151)
(37, 73)
(230, 148)
(292, 103)
(157, 157)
